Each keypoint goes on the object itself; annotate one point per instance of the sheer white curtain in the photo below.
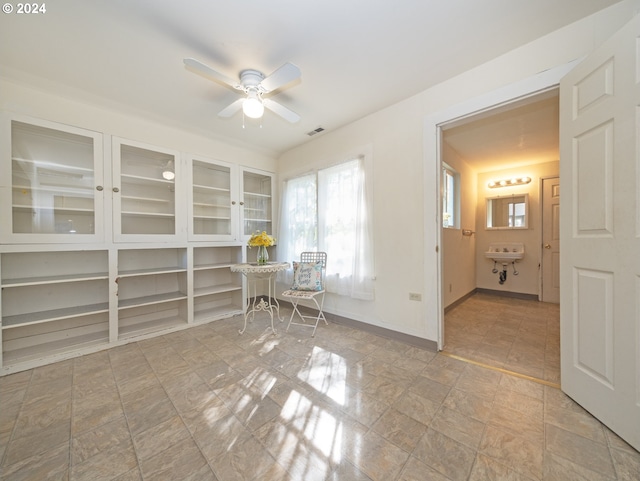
(329, 212)
(298, 220)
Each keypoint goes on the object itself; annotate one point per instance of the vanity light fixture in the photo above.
(509, 182)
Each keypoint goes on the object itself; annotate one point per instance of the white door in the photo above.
(600, 233)
(551, 240)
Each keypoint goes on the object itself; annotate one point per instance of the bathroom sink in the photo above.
(505, 251)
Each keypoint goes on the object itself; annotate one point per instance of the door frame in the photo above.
(433, 126)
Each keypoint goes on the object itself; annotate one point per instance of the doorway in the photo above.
(499, 321)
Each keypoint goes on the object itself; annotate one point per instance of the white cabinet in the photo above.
(228, 202)
(53, 190)
(217, 292)
(257, 202)
(51, 184)
(53, 302)
(105, 241)
(147, 182)
(152, 290)
(213, 200)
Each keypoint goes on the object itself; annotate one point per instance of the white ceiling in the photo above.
(522, 133)
(356, 56)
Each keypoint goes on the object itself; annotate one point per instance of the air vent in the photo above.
(315, 131)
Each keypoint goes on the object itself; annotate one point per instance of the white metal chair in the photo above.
(308, 284)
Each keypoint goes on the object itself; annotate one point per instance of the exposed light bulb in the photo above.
(168, 172)
(252, 106)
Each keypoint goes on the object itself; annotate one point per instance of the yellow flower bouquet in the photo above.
(261, 240)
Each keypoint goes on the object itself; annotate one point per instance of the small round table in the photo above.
(255, 272)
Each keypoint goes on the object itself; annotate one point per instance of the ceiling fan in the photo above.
(255, 85)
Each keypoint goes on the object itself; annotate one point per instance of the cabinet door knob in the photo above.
(547, 246)
(99, 188)
(115, 189)
(233, 202)
(241, 203)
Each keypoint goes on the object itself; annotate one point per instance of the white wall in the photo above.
(405, 208)
(458, 251)
(527, 281)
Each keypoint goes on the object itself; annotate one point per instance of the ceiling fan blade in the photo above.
(281, 110)
(198, 67)
(285, 74)
(231, 108)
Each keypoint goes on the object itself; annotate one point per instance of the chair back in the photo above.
(314, 257)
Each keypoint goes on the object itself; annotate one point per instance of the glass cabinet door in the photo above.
(145, 199)
(56, 184)
(257, 188)
(213, 201)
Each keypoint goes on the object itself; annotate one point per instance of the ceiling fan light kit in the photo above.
(252, 106)
(254, 85)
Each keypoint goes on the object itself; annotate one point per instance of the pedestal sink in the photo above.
(505, 251)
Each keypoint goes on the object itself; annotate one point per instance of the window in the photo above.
(328, 211)
(450, 198)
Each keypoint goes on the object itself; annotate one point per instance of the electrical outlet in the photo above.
(414, 296)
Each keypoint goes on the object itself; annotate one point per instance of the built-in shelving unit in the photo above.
(98, 251)
(228, 202)
(152, 290)
(217, 292)
(46, 314)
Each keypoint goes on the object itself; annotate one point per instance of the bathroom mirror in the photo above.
(508, 212)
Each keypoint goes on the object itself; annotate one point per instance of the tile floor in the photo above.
(514, 334)
(209, 404)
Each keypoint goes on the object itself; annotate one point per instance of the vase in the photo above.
(263, 255)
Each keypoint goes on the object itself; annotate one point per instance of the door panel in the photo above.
(593, 338)
(593, 167)
(600, 232)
